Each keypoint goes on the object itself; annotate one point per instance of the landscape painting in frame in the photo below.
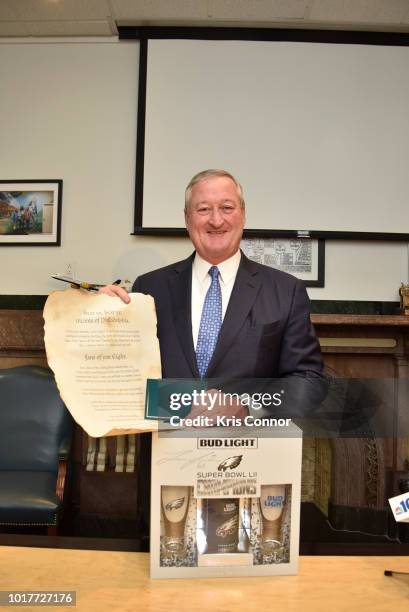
(30, 212)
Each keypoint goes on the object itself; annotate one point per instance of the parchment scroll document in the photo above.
(101, 352)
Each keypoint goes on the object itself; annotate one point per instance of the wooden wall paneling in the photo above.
(353, 475)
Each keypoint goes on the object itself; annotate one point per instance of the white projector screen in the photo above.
(317, 134)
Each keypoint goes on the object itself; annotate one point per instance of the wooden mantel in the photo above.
(22, 334)
(364, 320)
(21, 338)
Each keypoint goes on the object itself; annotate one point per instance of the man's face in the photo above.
(214, 219)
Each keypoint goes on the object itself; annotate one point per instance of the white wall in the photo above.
(68, 110)
(363, 270)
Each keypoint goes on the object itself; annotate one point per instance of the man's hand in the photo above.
(116, 291)
(224, 406)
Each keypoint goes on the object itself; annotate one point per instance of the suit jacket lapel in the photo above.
(180, 285)
(244, 293)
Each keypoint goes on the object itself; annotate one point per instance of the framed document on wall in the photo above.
(303, 257)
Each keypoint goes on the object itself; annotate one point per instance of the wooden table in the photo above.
(111, 581)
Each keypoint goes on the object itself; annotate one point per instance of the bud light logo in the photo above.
(274, 501)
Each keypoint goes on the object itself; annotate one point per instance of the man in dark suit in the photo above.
(264, 329)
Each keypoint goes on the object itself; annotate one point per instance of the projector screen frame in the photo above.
(144, 34)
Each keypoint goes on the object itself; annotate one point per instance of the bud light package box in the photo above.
(225, 502)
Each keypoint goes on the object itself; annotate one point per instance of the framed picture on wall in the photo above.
(302, 257)
(30, 212)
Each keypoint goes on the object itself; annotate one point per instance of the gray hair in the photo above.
(205, 174)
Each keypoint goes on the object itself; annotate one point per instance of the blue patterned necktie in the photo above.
(210, 323)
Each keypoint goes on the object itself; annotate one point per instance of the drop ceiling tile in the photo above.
(35, 10)
(359, 11)
(13, 28)
(137, 10)
(69, 28)
(259, 10)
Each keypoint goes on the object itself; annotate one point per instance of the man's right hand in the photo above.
(115, 291)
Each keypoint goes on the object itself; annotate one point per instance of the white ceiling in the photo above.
(39, 18)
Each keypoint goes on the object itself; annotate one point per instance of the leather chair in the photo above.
(35, 440)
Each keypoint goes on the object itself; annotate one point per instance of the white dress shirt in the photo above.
(201, 281)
